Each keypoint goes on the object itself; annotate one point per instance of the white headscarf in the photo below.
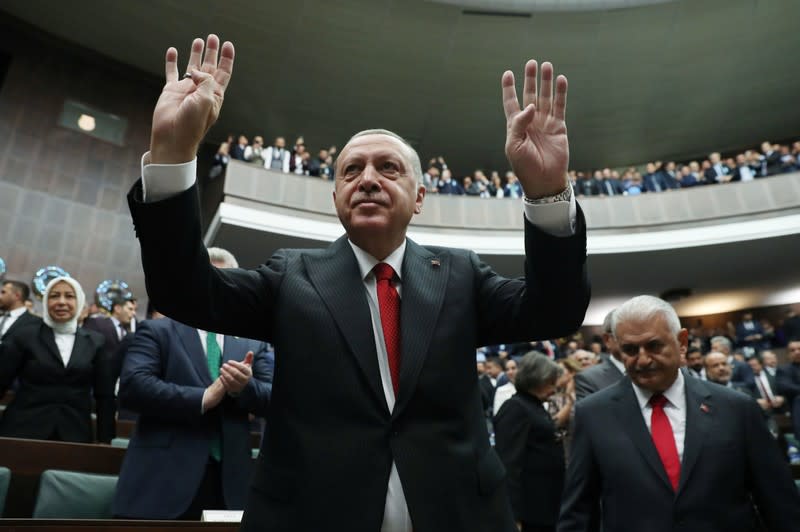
(68, 327)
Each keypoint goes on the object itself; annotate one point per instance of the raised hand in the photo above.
(189, 106)
(536, 134)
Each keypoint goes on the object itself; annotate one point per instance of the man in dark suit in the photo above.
(659, 451)
(741, 373)
(607, 372)
(14, 316)
(114, 328)
(191, 449)
(787, 380)
(375, 398)
(652, 180)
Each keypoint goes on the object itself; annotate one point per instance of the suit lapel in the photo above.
(337, 278)
(699, 418)
(424, 279)
(81, 348)
(49, 339)
(194, 350)
(630, 414)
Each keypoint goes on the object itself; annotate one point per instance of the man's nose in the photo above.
(369, 180)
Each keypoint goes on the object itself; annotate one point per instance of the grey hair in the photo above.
(535, 370)
(607, 323)
(222, 256)
(411, 154)
(724, 341)
(645, 308)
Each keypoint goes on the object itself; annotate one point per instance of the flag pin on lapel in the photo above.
(704, 408)
(435, 263)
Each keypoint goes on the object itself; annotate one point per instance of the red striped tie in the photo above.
(664, 440)
(389, 303)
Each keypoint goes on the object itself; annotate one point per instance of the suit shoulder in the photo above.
(600, 399)
(97, 338)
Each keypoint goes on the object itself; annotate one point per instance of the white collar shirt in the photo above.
(675, 409)
(13, 315)
(65, 342)
(395, 515)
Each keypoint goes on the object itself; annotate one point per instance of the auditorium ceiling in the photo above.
(670, 80)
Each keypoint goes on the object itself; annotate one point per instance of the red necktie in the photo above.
(389, 303)
(664, 440)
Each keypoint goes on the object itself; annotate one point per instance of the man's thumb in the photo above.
(248, 358)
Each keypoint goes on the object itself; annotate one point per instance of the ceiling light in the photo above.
(86, 122)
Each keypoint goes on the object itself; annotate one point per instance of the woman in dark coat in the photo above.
(60, 367)
(529, 447)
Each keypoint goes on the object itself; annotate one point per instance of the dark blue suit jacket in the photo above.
(163, 378)
(730, 464)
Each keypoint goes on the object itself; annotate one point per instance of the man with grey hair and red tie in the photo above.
(375, 421)
(662, 452)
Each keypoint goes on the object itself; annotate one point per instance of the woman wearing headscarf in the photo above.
(529, 447)
(59, 366)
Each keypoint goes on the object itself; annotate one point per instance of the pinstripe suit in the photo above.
(332, 439)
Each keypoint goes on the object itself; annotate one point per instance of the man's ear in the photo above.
(419, 199)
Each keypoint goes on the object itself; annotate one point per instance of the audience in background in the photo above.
(14, 314)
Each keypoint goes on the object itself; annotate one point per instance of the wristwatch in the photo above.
(564, 195)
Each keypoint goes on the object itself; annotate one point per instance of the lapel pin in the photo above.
(435, 263)
(704, 408)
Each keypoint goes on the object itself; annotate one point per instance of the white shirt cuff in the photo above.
(556, 219)
(162, 181)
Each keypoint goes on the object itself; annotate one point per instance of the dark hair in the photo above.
(20, 288)
(496, 360)
(119, 300)
(693, 350)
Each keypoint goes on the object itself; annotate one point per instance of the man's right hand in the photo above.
(188, 107)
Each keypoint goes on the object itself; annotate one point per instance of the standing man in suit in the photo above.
(741, 372)
(114, 329)
(374, 336)
(659, 451)
(14, 315)
(193, 391)
(787, 380)
(607, 372)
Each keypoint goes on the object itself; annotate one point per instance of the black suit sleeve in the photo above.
(580, 502)
(11, 360)
(103, 389)
(229, 301)
(772, 487)
(511, 428)
(785, 383)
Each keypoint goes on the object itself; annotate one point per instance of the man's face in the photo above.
(467, 182)
(493, 369)
(511, 370)
(714, 158)
(794, 351)
(375, 192)
(650, 352)
(717, 368)
(323, 155)
(650, 168)
(280, 142)
(8, 297)
(585, 358)
(769, 358)
(755, 365)
(747, 316)
(695, 360)
(258, 141)
(766, 147)
(124, 313)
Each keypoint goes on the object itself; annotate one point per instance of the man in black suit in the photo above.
(787, 380)
(659, 451)
(607, 372)
(375, 398)
(114, 328)
(14, 316)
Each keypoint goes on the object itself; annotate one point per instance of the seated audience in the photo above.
(527, 444)
(60, 366)
(659, 451)
(193, 391)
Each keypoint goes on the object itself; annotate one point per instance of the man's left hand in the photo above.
(536, 134)
(235, 375)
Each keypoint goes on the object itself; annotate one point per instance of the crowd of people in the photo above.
(656, 176)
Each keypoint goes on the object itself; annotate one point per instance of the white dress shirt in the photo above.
(161, 181)
(675, 409)
(12, 317)
(65, 342)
